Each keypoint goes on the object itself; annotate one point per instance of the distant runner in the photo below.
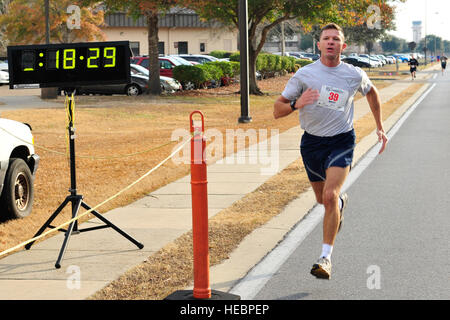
(443, 63)
(413, 64)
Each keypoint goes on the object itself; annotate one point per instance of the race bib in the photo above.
(333, 98)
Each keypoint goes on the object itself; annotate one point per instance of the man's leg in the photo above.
(318, 190)
(335, 177)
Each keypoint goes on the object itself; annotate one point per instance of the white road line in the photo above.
(255, 280)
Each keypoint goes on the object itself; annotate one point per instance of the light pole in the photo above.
(425, 48)
(48, 93)
(243, 48)
(435, 36)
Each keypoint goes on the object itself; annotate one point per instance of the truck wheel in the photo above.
(18, 192)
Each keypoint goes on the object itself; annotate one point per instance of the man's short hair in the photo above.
(332, 26)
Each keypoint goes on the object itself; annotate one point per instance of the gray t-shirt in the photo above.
(332, 114)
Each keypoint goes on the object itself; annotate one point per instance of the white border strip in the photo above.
(254, 281)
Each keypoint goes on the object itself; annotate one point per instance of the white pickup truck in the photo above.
(18, 165)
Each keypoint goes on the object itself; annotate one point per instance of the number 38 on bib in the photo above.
(333, 98)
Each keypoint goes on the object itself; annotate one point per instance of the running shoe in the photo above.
(344, 198)
(322, 269)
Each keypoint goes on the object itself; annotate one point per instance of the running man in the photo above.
(413, 64)
(323, 92)
(443, 63)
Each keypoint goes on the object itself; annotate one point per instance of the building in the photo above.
(417, 31)
(180, 32)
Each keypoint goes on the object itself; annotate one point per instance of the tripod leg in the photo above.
(46, 224)
(107, 222)
(75, 208)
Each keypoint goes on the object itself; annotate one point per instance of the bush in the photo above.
(186, 74)
(291, 65)
(262, 62)
(236, 66)
(220, 54)
(303, 62)
(213, 71)
(235, 57)
(225, 66)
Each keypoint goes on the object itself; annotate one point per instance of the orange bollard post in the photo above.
(200, 240)
(199, 192)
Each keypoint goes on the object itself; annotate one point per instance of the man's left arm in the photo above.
(373, 98)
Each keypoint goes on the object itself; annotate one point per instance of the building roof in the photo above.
(176, 17)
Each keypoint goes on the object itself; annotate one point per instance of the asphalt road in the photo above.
(24, 99)
(394, 243)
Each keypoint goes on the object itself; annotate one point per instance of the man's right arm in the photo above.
(282, 106)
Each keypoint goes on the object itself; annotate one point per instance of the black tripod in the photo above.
(74, 198)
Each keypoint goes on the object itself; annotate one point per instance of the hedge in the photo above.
(203, 74)
(302, 62)
(225, 66)
(200, 75)
(220, 54)
(269, 63)
(185, 74)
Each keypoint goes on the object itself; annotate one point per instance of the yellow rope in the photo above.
(96, 207)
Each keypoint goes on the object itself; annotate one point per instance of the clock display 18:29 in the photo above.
(68, 65)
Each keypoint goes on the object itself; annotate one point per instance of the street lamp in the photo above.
(435, 36)
(243, 48)
(425, 47)
(48, 93)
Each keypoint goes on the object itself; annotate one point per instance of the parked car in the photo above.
(377, 59)
(18, 165)
(166, 64)
(200, 58)
(299, 55)
(384, 58)
(357, 62)
(313, 56)
(137, 86)
(401, 57)
(4, 74)
(4, 77)
(391, 59)
(374, 63)
(167, 84)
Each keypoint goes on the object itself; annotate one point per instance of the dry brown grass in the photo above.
(171, 268)
(126, 128)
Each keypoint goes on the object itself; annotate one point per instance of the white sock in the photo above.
(326, 251)
(341, 203)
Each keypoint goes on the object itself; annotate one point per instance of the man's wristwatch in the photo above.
(293, 102)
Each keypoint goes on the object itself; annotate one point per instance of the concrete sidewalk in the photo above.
(101, 256)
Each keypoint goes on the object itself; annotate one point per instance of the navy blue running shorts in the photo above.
(321, 153)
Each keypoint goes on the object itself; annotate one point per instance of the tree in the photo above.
(373, 27)
(24, 23)
(150, 9)
(412, 46)
(434, 44)
(393, 44)
(263, 15)
(3, 40)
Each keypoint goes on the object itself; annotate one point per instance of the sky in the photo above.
(435, 14)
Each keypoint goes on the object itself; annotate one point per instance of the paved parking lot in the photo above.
(23, 99)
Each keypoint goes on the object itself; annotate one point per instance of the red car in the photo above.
(166, 64)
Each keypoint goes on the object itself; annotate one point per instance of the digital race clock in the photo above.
(69, 65)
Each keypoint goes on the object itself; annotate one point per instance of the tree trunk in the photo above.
(253, 85)
(154, 85)
(49, 93)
